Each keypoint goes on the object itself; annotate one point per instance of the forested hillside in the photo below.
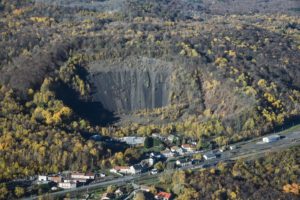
(275, 176)
(205, 70)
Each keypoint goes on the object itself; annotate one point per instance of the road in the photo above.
(250, 149)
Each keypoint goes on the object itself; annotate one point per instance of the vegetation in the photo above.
(274, 176)
(232, 77)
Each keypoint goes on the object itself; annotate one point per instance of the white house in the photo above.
(271, 138)
(151, 162)
(42, 179)
(209, 156)
(67, 184)
(134, 169)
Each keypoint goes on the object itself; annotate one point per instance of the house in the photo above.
(189, 147)
(176, 149)
(67, 184)
(133, 140)
(167, 153)
(83, 176)
(271, 138)
(209, 156)
(121, 169)
(163, 196)
(136, 169)
(183, 162)
(151, 161)
(42, 178)
(90, 175)
(55, 179)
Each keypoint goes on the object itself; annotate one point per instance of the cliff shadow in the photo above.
(94, 112)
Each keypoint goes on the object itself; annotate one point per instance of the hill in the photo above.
(213, 71)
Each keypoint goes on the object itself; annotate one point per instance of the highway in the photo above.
(250, 149)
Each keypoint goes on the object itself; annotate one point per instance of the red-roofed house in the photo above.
(163, 196)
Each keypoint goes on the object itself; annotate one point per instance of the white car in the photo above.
(154, 171)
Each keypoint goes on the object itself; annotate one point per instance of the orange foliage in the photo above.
(292, 188)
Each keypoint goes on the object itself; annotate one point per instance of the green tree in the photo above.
(148, 143)
(159, 166)
(3, 191)
(189, 194)
(19, 191)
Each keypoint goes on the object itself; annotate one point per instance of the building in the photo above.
(133, 140)
(55, 179)
(183, 162)
(163, 196)
(121, 169)
(136, 169)
(43, 179)
(67, 184)
(151, 162)
(178, 150)
(209, 156)
(167, 153)
(271, 138)
(189, 147)
(83, 177)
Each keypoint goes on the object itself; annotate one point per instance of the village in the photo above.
(173, 155)
(154, 162)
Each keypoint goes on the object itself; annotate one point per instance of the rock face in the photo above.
(126, 89)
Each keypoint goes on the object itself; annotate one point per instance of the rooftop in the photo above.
(121, 167)
(165, 195)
